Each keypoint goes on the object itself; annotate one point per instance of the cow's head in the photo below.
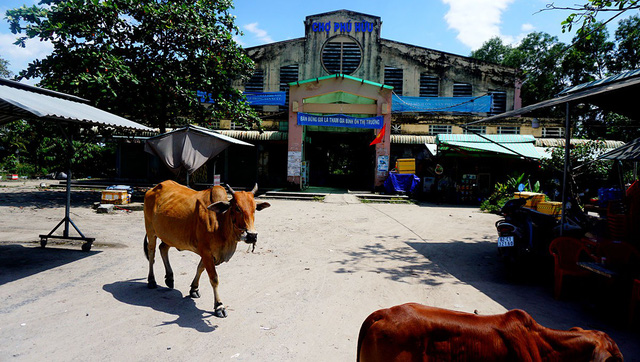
(242, 208)
(604, 347)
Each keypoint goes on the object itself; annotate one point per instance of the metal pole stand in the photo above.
(67, 220)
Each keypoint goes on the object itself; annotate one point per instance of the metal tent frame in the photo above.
(20, 101)
(617, 93)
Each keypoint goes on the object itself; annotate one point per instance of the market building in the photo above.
(324, 97)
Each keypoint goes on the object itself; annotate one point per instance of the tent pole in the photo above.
(567, 150)
(67, 218)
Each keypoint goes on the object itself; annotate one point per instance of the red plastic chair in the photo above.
(635, 298)
(566, 252)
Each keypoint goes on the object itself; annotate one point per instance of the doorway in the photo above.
(340, 159)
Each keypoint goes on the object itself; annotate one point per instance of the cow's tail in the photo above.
(146, 247)
(366, 325)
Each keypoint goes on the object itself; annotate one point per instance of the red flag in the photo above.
(378, 138)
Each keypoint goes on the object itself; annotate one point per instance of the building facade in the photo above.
(342, 76)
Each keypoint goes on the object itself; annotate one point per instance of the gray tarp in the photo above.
(630, 151)
(188, 148)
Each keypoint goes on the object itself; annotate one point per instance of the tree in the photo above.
(538, 57)
(493, 50)
(585, 14)
(589, 57)
(141, 59)
(4, 69)
(628, 44)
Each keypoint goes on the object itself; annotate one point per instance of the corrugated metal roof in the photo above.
(517, 145)
(559, 142)
(603, 81)
(255, 135)
(410, 139)
(21, 103)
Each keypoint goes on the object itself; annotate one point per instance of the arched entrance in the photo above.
(332, 121)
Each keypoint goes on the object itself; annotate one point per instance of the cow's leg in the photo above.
(151, 254)
(194, 292)
(213, 278)
(164, 252)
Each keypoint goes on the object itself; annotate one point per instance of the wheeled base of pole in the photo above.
(87, 241)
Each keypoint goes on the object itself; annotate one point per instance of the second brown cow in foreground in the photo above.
(203, 222)
(415, 332)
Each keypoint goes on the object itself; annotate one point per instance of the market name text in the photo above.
(358, 27)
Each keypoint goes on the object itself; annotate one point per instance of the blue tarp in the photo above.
(340, 120)
(442, 104)
(266, 98)
(253, 98)
(401, 183)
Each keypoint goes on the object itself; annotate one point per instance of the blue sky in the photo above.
(454, 26)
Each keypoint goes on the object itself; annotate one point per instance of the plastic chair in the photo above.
(635, 298)
(566, 252)
(619, 254)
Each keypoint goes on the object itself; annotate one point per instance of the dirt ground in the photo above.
(319, 268)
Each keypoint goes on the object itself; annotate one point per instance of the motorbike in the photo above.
(524, 234)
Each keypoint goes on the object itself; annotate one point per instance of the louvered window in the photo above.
(476, 130)
(288, 74)
(499, 104)
(342, 55)
(393, 77)
(439, 129)
(256, 83)
(462, 90)
(429, 85)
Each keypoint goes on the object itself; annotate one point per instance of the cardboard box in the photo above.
(118, 197)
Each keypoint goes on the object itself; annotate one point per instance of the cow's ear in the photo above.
(219, 207)
(262, 205)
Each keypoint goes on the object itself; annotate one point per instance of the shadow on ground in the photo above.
(19, 261)
(585, 304)
(169, 301)
(48, 198)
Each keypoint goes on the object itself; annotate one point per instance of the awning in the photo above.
(630, 151)
(21, 101)
(255, 135)
(617, 94)
(188, 148)
(516, 145)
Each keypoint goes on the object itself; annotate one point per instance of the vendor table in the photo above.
(401, 183)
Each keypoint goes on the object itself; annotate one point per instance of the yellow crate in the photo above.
(118, 197)
(534, 198)
(550, 207)
(406, 165)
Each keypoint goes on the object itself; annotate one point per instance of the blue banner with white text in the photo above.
(442, 104)
(340, 120)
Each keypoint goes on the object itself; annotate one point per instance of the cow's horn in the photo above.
(230, 189)
(255, 188)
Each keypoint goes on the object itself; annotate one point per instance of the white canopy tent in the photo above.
(19, 101)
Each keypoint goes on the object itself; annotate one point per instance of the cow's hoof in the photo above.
(152, 285)
(169, 282)
(194, 293)
(220, 312)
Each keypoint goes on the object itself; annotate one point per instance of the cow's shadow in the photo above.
(170, 301)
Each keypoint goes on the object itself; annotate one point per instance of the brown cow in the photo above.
(203, 222)
(415, 332)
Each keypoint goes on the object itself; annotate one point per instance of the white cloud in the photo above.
(19, 57)
(527, 28)
(476, 20)
(261, 34)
